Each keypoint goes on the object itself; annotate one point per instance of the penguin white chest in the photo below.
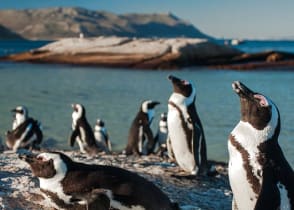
(54, 185)
(99, 134)
(178, 138)
(244, 195)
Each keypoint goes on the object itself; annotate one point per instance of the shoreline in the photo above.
(19, 189)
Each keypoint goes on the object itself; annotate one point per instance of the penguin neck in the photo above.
(250, 137)
(180, 99)
(19, 119)
(61, 170)
(150, 115)
(100, 129)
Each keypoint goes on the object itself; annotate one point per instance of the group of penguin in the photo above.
(259, 174)
(27, 132)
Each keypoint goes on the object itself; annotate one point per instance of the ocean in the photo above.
(114, 95)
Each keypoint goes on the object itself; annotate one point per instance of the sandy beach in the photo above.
(20, 190)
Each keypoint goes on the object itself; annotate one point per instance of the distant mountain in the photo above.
(54, 23)
(7, 34)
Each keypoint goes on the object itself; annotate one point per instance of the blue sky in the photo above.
(254, 19)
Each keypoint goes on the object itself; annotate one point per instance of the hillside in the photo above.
(7, 34)
(55, 23)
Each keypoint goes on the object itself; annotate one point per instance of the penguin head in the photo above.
(147, 107)
(99, 123)
(184, 88)
(20, 113)
(47, 165)
(163, 117)
(78, 111)
(256, 109)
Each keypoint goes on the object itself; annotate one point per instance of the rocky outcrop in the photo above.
(56, 23)
(129, 52)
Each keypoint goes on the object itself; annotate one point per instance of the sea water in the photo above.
(115, 95)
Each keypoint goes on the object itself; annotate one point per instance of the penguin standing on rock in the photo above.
(82, 131)
(162, 135)
(73, 185)
(26, 132)
(186, 133)
(259, 174)
(140, 131)
(101, 135)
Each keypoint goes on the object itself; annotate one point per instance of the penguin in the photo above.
(140, 130)
(70, 184)
(1, 145)
(82, 131)
(101, 135)
(26, 132)
(259, 174)
(161, 136)
(186, 133)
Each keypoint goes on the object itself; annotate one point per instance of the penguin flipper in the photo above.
(96, 199)
(150, 139)
(170, 149)
(73, 136)
(39, 133)
(269, 196)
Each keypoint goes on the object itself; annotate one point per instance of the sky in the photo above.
(244, 19)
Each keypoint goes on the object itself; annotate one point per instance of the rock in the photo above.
(128, 52)
(274, 57)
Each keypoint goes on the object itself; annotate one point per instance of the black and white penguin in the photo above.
(140, 130)
(1, 145)
(101, 135)
(70, 184)
(161, 136)
(26, 132)
(185, 129)
(82, 131)
(259, 174)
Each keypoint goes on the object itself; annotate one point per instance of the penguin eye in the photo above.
(40, 158)
(185, 82)
(261, 100)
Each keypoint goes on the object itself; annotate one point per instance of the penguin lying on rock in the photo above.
(141, 140)
(26, 132)
(71, 184)
(259, 174)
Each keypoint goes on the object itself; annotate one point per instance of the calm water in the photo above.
(115, 95)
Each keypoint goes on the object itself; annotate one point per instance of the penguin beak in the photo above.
(74, 107)
(174, 79)
(154, 103)
(17, 111)
(242, 90)
(29, 158)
